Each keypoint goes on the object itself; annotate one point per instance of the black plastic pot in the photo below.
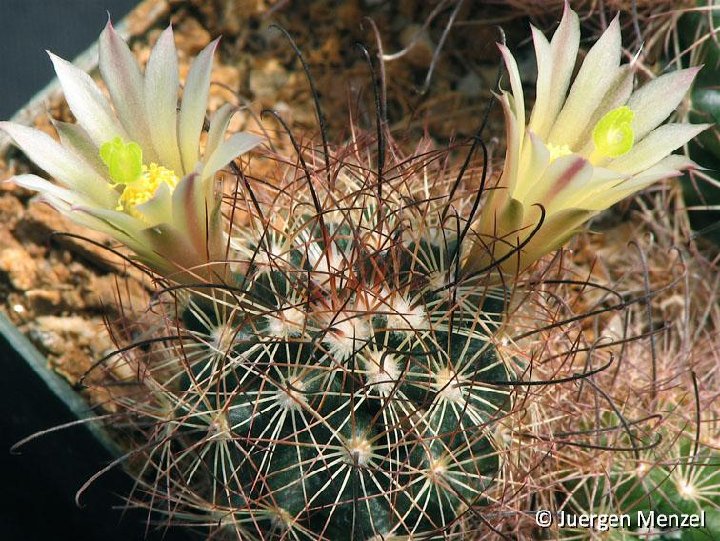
(40, 480)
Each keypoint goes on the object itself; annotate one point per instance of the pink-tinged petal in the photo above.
(161, 100)
(534, 158)
(48, 190)
(655, 101)
(87, 103)
(513, 139)
(237, 144)
(155, 246)
(495, 232)
(120, 222)
(76, 140)
(78, 217)
(592, 194)
(58, 162)
(542, 115)
(218, 126)
(168, 251)
(194, 104)
(596, 76)
(562, 178)
(192, 206)
(121, 74)
(158, 209)
(563, 49)
(668, 167)
(515, 85)
(655, 146)
(554, 232)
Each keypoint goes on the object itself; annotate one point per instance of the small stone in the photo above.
(10, 209)
(44, 301)
(224, 87)
(145, 15)
(266, 81)
(191, 37)
(41, 221)
(82, 330)
(20, 268)
(47, 341)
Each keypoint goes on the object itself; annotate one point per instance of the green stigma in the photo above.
(613, 134)
(124, 160)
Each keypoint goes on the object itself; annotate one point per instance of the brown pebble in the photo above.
(41, 221)
(267, 81)
(44, 301)
(191, 37)
(20, 268)
(10, 209)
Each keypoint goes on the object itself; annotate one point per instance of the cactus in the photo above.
(321, 359)
(337, 388)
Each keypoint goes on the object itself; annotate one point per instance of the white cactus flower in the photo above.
(590, 142)
(131, 166)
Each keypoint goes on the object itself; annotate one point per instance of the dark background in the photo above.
(29, 27)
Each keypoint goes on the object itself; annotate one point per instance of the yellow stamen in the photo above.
(558, 151)
(144, 188)
(613, 135)
(124, 160)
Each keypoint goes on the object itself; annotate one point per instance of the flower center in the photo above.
(125, 165)
(613, 135)
(144, 188)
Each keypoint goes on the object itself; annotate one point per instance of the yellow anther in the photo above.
(144, 188)
(613, 134)
(558, 151)
(124, 160)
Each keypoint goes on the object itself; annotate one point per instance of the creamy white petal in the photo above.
(655, 146)
(49, 190)
(87, 103)
(218, 126)
(161, 100)
(76, 140)
(194, 103)
(121, 74)
(563, 49)
(237, 144)
(79, 217)
(513, 138)
(123, 222)
(668, 167)
(515, 86)
(598, 71)
(542, 115)
(656, 100)
(158, 209)
(593, 193)
(534, 158)
(58, 162)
